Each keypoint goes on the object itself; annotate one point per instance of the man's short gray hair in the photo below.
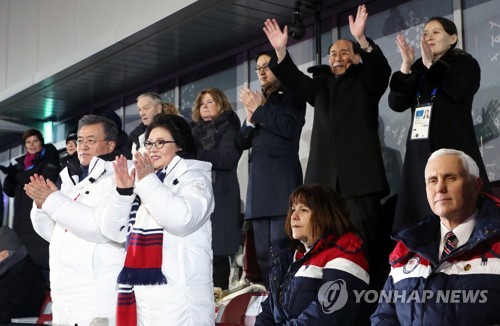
(468, 163)
(152, 95)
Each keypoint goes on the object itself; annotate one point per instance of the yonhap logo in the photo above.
(333, 296)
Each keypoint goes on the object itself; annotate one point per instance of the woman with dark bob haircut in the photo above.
(165, 202)
(314, 284)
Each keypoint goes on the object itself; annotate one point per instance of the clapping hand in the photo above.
(39, 189)
(427, 56)
(122, 178)
(407, 53)
(251, 101)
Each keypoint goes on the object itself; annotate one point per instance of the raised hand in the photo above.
(143, 165)
(407, 53)
(276, 37)
(122, 178)
(427, 55)
(358, 26)
(39, 189)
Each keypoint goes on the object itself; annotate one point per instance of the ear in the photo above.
(356, 58)
(111, 146)
(478, 185)
(454, 39)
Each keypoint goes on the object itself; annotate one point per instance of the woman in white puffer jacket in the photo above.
(165, 220)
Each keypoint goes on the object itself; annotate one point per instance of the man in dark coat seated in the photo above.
(21, 291)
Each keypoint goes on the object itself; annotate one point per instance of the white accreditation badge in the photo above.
(421, 122)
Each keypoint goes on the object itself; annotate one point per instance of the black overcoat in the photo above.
(47, 165)
(345, 151)
(216, 143)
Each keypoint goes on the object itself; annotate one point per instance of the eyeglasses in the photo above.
(341, 54)
(263, 68)
(90, 142)
(158, 144)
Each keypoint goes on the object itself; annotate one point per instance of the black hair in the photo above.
(449, 27)
(180, 130)
(110, 130)
(270, 54)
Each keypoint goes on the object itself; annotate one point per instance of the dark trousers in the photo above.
(269, 232)
(365, 213)
(221, 271)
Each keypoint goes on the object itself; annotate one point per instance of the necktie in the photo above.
(450, 243)
(84, 172)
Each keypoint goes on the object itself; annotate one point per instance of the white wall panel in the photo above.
(57, 42)
(41, 38)
(22, 43)
(4, 23)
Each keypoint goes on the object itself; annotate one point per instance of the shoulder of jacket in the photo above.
(400, 255)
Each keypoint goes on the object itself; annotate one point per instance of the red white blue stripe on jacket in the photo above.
(464, 289)
(296, 280)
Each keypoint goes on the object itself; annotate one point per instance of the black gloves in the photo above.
(9, 170)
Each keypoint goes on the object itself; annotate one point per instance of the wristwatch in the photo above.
(368, 49)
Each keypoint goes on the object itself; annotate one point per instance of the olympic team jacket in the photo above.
(462, 290)
(316, 288)
(182, 205)
(84, 264)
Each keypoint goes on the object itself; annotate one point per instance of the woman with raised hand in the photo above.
(443, 83)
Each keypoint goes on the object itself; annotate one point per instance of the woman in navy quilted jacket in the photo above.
(315, 283)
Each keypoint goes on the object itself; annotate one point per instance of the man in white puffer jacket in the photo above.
(84, 264)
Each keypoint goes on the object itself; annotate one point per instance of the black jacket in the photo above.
(135, 134)
(21, 291)
(345, 149)
(46, 164)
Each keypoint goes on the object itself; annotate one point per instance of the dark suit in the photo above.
(275, 169)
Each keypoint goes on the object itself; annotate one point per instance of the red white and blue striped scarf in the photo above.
(143, 261)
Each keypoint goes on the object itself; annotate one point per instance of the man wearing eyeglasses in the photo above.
(271, 131)
(345, 151)
(84, 264)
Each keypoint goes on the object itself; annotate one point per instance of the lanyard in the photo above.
(419, 94)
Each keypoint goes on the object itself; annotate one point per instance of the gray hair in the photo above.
(152, 95)
(110, 129)
(468, 163)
